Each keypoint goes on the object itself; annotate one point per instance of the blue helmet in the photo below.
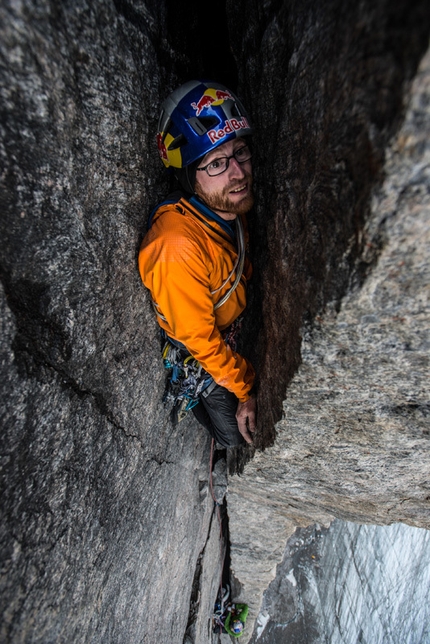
(196, 118)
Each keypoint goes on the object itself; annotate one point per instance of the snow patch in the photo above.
(291, 578)
(262, 620)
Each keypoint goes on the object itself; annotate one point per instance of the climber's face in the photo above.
(228, 193)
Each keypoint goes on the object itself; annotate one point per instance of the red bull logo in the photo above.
(230, 125)
(211, 97)
(162, 150)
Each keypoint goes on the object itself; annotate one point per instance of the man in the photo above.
(193, 258)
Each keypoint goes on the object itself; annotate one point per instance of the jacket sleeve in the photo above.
(179, 281)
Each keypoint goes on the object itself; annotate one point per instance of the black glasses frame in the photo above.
(227, 159)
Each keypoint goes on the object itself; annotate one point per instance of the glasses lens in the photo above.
(242, 154)
(217, 166)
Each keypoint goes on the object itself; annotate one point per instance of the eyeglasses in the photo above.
(220, 165)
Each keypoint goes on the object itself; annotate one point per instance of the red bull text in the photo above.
(230, 126)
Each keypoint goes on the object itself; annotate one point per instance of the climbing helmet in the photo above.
(195, 119)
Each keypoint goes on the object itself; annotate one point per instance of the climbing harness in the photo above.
(186, 378)
(220, 610)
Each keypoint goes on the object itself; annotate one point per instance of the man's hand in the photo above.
(246, 415)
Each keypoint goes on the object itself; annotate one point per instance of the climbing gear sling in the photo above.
(237, 233)
(186, 378)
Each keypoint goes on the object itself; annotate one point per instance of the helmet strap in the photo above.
(187, 176)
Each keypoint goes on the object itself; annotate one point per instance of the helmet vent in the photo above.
(202, 124)
(235, 110)
(178, 142)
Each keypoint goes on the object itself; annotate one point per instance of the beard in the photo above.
(221, 202)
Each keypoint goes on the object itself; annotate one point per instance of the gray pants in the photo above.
(216, 409)
(217, 413)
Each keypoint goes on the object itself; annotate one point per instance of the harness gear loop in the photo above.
(187, 379)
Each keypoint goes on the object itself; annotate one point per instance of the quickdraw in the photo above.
(185, 382)
(187, 379)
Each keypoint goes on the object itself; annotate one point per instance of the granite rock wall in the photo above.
(349, 583)
(108, 532)
(105, 506)
(326, 84)
(353, 442)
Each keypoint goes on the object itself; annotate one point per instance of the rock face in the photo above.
(354, 440)
(350, 583)
(105, 506)
(108, 532)
(329, 80)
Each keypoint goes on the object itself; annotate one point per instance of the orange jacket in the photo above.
(183, 257)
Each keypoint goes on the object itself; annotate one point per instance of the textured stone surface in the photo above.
(107, 527)
(325, 82)
(206, 585)
(105, 506)
(95, 534)
(354, 440)
(350, 583)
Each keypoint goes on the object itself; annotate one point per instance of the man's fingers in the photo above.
(245, 415)
(250, 425)
(244, 431)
